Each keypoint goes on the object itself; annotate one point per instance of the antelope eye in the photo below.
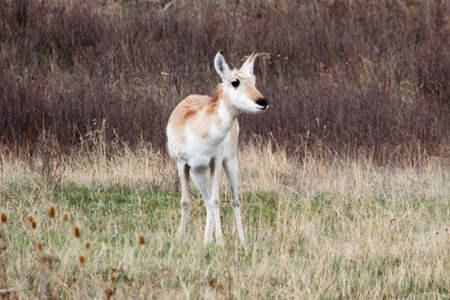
(235, 83)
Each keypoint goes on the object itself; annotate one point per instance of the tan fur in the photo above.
(206, 107)
(253, 93)
(234, 134)
(216, 95)
(196, 105)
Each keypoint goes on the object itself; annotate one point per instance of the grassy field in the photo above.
(344, 181)
(316, 229)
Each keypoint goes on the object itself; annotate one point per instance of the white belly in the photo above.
(197, 152)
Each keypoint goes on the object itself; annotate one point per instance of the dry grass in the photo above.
(316, 229)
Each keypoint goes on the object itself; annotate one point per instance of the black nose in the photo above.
(262, 102)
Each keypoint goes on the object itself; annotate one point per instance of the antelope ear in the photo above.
(249, 63)
(221, 66)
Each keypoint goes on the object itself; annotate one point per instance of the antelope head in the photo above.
(239, 85)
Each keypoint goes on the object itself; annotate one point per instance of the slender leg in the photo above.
(216, 173)
(230, 166)
(201, 182)
(183, 170)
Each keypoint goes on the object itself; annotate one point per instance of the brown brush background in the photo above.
(350, 77)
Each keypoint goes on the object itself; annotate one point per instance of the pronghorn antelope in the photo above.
(202, 135)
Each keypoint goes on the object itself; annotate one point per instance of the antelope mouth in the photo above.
(262, 104)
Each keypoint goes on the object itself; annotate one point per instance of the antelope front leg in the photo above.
(183, 171)
(230, 166)
(201, 182)
(216, 172)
